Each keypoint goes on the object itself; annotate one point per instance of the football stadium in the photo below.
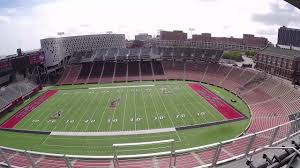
(101, 101)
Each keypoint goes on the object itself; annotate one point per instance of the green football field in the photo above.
(124, 107)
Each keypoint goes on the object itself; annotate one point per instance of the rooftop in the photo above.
(281, 52)
(289, 28)
(82, 36)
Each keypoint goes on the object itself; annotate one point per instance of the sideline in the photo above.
(115, 133)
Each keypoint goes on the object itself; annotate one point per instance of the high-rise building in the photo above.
(288, 36)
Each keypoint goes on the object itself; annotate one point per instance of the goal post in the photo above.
(116, 147)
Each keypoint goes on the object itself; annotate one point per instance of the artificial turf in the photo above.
(139, 107)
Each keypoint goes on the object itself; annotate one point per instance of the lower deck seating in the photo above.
(158, 70)
(121, 72)
(84, 73)
(13, 91)
(133, 71)
(65, 73)
(73, 74)
(174, 70)
(146, 70)
(108, 72)
(96, 72)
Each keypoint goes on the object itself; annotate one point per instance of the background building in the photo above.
(289, 36)
(280, 62)
(174, 35)
(58, 49)
(143, 37)
(247, 40)
(205, 40)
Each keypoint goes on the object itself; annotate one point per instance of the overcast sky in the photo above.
(24, 22)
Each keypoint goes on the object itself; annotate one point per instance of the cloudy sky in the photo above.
(24, 22)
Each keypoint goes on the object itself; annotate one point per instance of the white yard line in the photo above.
(61, 119)
(67, 113)
(53, 128)
(155, 109)
(117, 87)
(84, 106)
(45, 139)
(107, 104)
(125, 109)
(206, 108)
(134, 109)
(62, 124)
(41, 114)
(31, 115)
(184, 104)
(186, 109)
(114, 112)
(175, 105)
(167, 113)
(96, 109)
(145, 108)
(165, 107)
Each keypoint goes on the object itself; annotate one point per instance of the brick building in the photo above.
(247, 40)
(280, 62)
(174, 35)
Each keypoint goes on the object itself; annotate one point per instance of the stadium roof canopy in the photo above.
(281, 52)
(296, 3)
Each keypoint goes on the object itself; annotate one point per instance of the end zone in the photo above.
(15, 119)
(222, 107)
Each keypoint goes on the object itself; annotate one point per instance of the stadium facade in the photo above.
(57, 50)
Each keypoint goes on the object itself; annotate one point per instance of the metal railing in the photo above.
(203, 156)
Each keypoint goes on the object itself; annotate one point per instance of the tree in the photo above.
(250, 53)
(233, 55)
